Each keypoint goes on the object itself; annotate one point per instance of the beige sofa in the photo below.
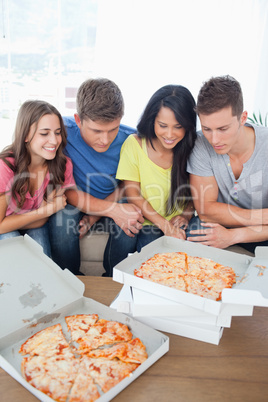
(92, 248)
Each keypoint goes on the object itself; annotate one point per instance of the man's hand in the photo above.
(213, 235)
(128, 217)
(86, 223)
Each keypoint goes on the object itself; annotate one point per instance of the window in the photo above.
(46, 50)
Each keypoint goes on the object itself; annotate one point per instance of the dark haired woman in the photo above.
(34, 173)
(153, 167)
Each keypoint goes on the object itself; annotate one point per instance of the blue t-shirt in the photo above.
(94, 172)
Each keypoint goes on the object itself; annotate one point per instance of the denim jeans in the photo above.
(119, 244)
(40, 235)
(64, 238)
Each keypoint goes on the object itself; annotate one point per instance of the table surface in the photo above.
(234, 370)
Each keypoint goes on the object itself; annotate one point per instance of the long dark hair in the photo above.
(180, 100)
(29, 114)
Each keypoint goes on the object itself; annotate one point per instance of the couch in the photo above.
(92, 247)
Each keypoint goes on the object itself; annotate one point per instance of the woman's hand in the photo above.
(56, 201)
(174, 231)
(179, 221)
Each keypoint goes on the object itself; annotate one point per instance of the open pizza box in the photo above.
(35, 293)
(205, 330)
(250, 290)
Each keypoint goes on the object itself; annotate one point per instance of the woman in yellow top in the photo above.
(153, 168)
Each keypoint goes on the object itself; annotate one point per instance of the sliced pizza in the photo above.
(65, 373)
(79, 324)
(84, 389)
(107, 373)
(48, 342)
(201, 276)
(103, 332)
(133, 351)
(53, 375)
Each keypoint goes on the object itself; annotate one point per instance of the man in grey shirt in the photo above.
(229, 170)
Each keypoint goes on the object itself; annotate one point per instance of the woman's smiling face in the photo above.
(167, 129)
(45, 138)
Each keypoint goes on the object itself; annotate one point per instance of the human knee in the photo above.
(65, 223)
(9, 235)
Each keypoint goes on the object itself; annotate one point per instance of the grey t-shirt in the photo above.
(250, 190)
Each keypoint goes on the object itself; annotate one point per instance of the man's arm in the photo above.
(205, 195)
(127, 216)
(88, 221)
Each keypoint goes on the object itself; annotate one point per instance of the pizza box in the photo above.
(35, 293)
(204, 332)
(251, 288)
(143, 304)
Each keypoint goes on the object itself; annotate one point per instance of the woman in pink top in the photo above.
(34, 173)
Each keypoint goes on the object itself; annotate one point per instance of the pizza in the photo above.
(200, 276)
(99, 355)
(100, 333)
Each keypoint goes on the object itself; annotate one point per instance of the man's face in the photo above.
(98, 134)
(223, 130)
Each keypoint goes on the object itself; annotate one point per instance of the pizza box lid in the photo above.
(210, 331)
(32, 285)
(35, 293)
(252, 281)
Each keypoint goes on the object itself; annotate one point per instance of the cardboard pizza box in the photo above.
(145, 304)
(208, 332)
(35, 293)
(167, 309)
(251, 288)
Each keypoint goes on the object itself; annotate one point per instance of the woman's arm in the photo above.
(183, 219)
(133, 194)
(33, 219)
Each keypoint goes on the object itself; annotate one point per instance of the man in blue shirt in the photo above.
(95, 137)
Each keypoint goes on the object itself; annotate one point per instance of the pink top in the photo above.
(31, 202)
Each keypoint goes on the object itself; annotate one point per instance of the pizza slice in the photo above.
(107, 373)
(162, 263)
(48, 342)
(205, 285)
(53, 375)
(103, 332)
(133, 351)
(79, 324)
(84, 388)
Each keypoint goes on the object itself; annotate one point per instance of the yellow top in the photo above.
(135, 165)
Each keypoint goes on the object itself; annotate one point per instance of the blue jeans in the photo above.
(119, 244)
(64, 237)
(40, 235)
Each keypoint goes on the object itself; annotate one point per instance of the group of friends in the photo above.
(63, 177)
